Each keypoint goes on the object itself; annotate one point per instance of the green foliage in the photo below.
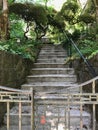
(56, 20)
(76, 34)
(86, 43)
(90, 7)
(39, 14)
(59, 20)
(69, 11)
(86, 18)
(71, 5)
(28, 49)
(87, 47)
(11, 1)
(93, 54)
(30, 12)
(18, 8)
(16, 26)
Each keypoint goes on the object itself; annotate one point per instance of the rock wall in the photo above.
(83, 74)
(13, 72)
(82, 71)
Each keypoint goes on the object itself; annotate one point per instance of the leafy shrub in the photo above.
(87, 18)
(28, 49)
(76, 34)
(87, 47)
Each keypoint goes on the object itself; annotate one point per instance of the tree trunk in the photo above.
(96, 6)
(1, 5)
(4, 20)
(97, 14)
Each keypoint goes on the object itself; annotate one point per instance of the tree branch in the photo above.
(27, 30)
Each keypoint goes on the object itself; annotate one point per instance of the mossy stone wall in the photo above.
(83, 74)
(13, 72)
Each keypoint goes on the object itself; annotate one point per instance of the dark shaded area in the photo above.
(83, 75)
(13, 72)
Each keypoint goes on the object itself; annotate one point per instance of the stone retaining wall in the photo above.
(13, 72)
(83, 74)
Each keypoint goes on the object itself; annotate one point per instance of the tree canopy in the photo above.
(40, 17)
(35, 19)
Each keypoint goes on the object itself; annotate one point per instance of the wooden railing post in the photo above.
(8, 115)
(32, 109)
(94, 106)
(20, 116)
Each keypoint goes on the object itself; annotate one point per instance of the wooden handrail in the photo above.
(14, 90)
(84, 84)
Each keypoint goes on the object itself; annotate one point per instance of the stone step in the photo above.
(38, 85)
(52, 60)
(14, 115)
(51, 56)
(53, 47)
(52, 53)
(16, 127)
(50, 82)
(74, 118)
(50, 87)
(51, 50)
(49, 65)
(51, 78)
(74, 112)
(41, 71)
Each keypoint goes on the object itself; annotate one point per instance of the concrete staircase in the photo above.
(49, 78)
(50, 72)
